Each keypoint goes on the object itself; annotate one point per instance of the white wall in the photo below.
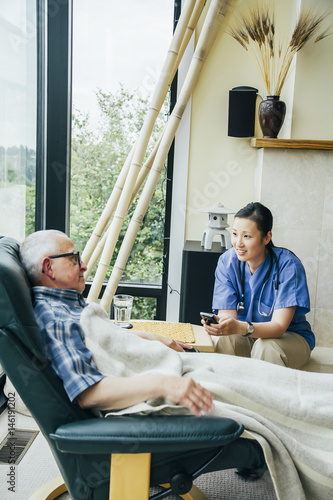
(298, 187)
(224, 169)
(313, 99)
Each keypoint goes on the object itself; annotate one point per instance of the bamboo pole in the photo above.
(146, 167)
(197, 11)
(208, 34)
(107, 212)
(99, 246)
(169, 68)
(95, 241)
(95, 254)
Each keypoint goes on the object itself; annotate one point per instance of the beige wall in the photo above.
(313, 102)
(220, 168)
(297, 186)
(223, 168)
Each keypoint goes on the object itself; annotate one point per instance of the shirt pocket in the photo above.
(264, 309)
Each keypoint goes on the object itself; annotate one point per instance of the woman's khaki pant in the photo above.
(290, 350)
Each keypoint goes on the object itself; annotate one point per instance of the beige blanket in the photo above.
(289, 412)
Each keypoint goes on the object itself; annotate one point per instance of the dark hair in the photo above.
(261, 215)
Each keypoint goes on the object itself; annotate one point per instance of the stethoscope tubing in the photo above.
(241, 275)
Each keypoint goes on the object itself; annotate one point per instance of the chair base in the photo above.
(123, 466)
(193, 494)
(50, 490)
(133, 466)
(137, 467)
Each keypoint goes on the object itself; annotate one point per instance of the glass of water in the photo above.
(122, 310)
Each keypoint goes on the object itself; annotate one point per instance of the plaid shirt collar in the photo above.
(69, 297)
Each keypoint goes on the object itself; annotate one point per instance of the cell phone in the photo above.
(209, 318)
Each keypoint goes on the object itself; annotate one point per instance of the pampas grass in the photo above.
(256, 32)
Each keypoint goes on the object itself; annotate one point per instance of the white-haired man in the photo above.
(56, 273)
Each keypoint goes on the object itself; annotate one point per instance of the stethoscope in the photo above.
(241, 275)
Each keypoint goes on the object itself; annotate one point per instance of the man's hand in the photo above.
(176, 345)
(187, 392)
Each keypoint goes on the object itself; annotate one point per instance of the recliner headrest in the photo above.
(15, 298)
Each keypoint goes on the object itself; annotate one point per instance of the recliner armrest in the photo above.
(145, 434)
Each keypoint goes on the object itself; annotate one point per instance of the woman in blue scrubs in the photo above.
(261, 295)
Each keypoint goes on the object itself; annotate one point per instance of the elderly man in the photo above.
(56, 272)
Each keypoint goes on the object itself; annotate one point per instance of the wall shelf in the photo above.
(256, 142)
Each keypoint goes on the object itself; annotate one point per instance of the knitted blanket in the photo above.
(289, 412)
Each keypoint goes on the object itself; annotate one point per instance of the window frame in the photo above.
(54, 63)
(53, 163)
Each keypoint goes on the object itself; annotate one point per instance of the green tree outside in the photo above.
(97, 159)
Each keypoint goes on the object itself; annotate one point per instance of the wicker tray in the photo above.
(176, 331)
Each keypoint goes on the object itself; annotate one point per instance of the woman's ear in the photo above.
(268, 237)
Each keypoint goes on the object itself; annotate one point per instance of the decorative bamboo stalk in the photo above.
(208, 34)
(188, 34)
(107, 212)
(99, 246)
(94, 242)
(197, 11)
(145, 169)
(169, 69)
(95, 255)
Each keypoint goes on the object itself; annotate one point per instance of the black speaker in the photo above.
(198, 277)
(242, 109)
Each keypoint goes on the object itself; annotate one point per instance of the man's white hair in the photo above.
(37, 246)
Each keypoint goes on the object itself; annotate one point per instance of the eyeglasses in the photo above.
(76, 255)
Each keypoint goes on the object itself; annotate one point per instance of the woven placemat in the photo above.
(176, 331)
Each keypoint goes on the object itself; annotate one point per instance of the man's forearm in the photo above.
(117, 393)
(145, 335)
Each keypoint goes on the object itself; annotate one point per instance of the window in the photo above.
(18, 83)
(17, 124)
(115, 70)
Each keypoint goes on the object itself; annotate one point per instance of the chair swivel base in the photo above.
(50, 490)
(137, 467)
(123, 466)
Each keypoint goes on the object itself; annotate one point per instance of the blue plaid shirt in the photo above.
(58, 316)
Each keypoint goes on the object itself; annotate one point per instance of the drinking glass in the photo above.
(122, 310)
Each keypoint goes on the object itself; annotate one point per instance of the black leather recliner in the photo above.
(140, 451)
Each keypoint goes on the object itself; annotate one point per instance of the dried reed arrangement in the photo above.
(256, 32)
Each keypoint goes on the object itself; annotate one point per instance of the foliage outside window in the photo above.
(97, 159)
(115, 70)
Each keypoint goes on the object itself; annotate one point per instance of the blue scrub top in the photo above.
(292, 290)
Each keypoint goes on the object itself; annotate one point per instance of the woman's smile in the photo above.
(249, 243)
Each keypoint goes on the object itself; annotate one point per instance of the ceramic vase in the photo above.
(272, 112)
